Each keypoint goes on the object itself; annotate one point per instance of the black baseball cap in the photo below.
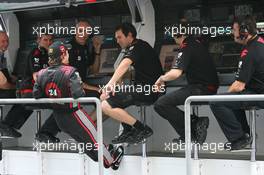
(57, 49)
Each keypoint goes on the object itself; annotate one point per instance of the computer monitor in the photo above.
(108, 58)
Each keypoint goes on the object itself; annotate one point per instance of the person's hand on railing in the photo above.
(109, 88)
(237, 86)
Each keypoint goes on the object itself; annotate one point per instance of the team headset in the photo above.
(244, 30)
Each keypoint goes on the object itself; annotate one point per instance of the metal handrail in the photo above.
(70, 100)
(207, 98)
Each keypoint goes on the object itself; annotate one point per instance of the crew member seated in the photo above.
(194, 61)
(249, 79)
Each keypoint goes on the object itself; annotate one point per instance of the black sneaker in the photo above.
(111, 150)
(46, 138)
(200, 129)
(9, 132)
(122, 138)
(241, 143)
(139, 135)
(117, 155)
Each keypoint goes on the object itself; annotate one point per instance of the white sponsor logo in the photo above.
(36, 60)
(179, 54)
(240, 64)
(131, 48)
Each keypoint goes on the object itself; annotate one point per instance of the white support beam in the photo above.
(145, 28)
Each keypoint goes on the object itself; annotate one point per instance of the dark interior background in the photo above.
(168, 12)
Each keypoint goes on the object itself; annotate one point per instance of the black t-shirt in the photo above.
(251, 65)
(193, 58)
(37, 60)
(81, 57)
(145, 62)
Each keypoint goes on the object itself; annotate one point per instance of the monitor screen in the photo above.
(108, 58)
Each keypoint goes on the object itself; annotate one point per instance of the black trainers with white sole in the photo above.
(241, 143)
(46, 137)
(139, 135)
(117, 155)
(122, 137)
(200, 129)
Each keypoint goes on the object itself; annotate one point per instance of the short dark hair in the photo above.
(126, 28)
(183, 23)
(249, 23)
(82, 20)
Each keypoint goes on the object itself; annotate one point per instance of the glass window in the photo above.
(23, 5)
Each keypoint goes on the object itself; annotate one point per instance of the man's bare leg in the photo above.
(118, 114)
(135, 135)
(94, 117)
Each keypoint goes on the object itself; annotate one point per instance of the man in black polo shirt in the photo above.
(249, 80)
(193, 60)
(145, 61)
(85, 56)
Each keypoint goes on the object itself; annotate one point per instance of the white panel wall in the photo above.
(147, 31)
(28, 162)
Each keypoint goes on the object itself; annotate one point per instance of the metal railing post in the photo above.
(100, 136)
(38, 120)
(1, 144)
(188, 146)
(209, 98)
(253, 135)
(70, 100)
